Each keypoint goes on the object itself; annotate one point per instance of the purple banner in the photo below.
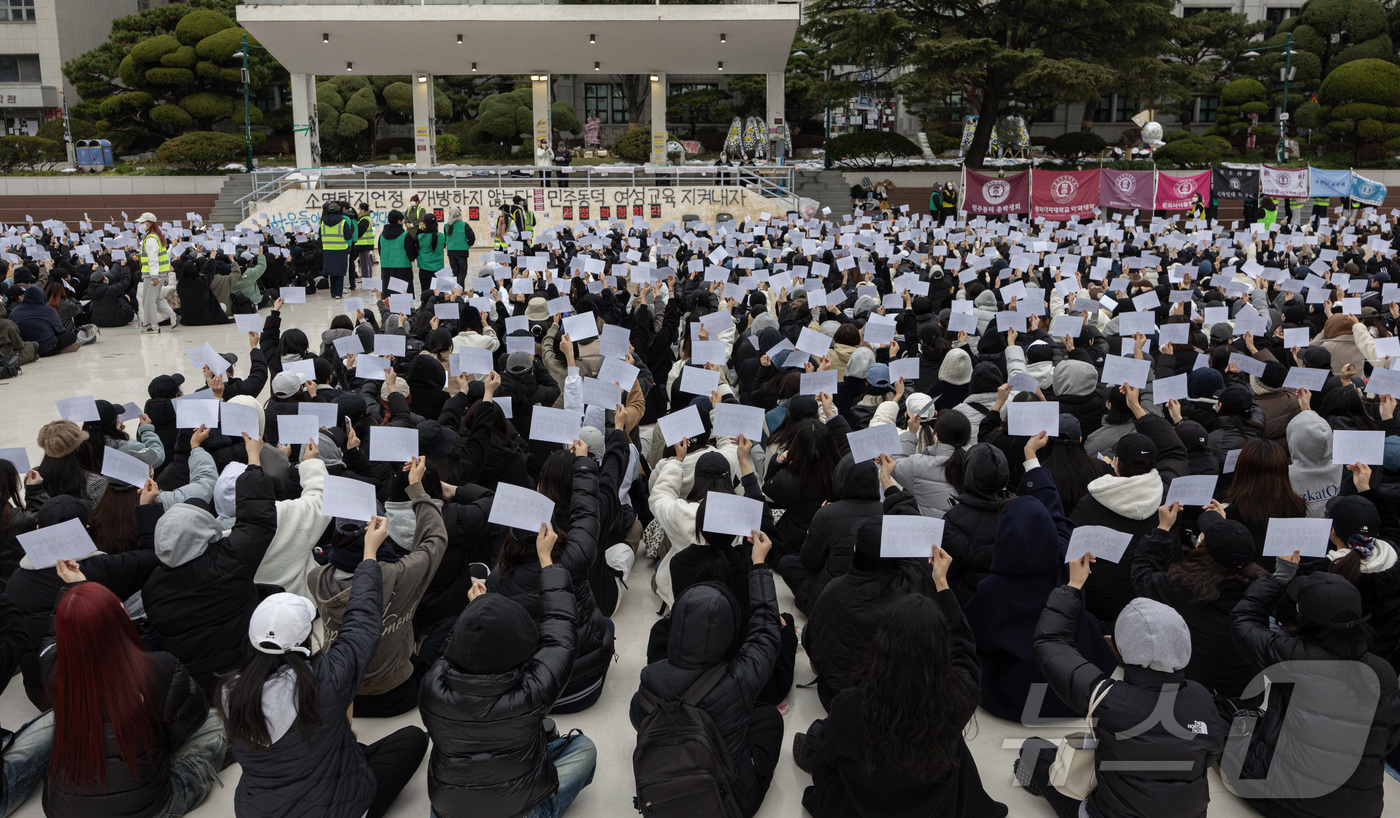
(1127, 189)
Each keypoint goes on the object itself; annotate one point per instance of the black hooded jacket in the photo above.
(970, 526)
(706, 631)
(831, 538)
(485, 699)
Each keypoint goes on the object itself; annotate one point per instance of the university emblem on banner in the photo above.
(1184, 187)
(996, 191)
(1126, 183)
(1367, 189)
(1234, 182)
(1064, 188)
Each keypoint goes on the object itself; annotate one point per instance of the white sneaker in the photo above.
(620, 558)
(150, 330)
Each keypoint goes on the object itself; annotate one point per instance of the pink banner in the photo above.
(994, 196)
(1177, 192)
(1289, 184)
(1126, 189)
(1062, 195)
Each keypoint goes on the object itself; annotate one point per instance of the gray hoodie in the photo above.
(1312, 472)
(183, 534)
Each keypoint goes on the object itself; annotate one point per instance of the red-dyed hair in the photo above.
(102, 676)
(55, 293)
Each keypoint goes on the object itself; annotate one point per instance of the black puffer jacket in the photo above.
(201, 596)
(1327, 713)
(470, 538)
(970, 526)
(484, 702)
(146, 793)
(831, 538)
(595, 638)
(844, 618)
(324, 775)
(107, 299)
(1155, 771)
(706, 631)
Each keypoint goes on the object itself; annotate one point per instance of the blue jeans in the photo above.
(25, 761)
(575, 761)
(195, 767)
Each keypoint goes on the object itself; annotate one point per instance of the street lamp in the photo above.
(247, 89)
(1285, 77)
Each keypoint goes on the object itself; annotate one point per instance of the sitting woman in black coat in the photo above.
(484, 701)
(107, 298)
(199, 306)
(883, 751)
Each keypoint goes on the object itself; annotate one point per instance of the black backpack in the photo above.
(9, 366)
(681, 763)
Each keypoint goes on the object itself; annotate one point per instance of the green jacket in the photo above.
(457, 236)
(247, 283)
(430, 251)
(935, 200)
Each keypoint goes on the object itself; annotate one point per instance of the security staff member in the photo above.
(1319, 210)
(397, 251)
(337, 234)
(364, 245)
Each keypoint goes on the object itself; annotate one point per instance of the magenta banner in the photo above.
(1062, 195)
(994, 196)
(1177, 192)
(1126, 189)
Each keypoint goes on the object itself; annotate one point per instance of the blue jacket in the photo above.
(38, 322)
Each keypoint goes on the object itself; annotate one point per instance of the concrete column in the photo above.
(544, 121)
(658, 119)
(775, 88)
(305, 127)
(424, 121)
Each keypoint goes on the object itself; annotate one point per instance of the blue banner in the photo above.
(1367, 191)
(1331, 183)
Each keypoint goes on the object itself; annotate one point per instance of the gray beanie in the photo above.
(593, 439)
(1152, 635)
(860, 362)
(956, 367)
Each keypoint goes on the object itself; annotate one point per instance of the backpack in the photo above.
(9, 366)
(681, 763)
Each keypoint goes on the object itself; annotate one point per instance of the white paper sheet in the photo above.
(1194, 490)
(19, 457)
(1103, 542)
(193, 412)
(305, 370)
(1118, 370)
(733, 419)
(906, 368)
(395, 345)
(602, 393)
(867, 444)
(392, 444)
(909, 536)
(1303, 378)
(349, 345)
(813, 342)
(554, 425)
(64, 541)
(127, 468)
(248, 322)
(235, 419)
(1306, 535)
(371, 367)
(348, 498)
(80, 410)
(697, 381)
(812, 383)
(473, 361)
(682, 423)
(292, 295)
(1358, 447)
(614, 342)
(581, 327)
(1030, 418)
(297, 430)
(326, 414)
(521, 508)
(707, 352)
(727, 513)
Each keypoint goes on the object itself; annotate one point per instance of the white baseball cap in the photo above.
(281, 624)
(148, 216)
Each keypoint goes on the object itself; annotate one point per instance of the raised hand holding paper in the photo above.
(733, 419)
(1306, 535)
(554, 425)
(67, 540)
(1191, 490)
(119, 465)
(348, 498)
(391, 444)
(1030, 418)
(516, 507)
(909, 536)
(727, 513)
(1103, 542)
(681, 424)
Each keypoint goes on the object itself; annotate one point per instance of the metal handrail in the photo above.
(775, 181)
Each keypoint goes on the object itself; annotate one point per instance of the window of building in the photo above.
(1275, 15)
(19, 68)
(17, 11)
(604, 100)
(1103, 112)
(1206, 108)
(1125, 109)
(1192, 11)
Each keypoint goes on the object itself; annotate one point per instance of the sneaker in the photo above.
(783, 707)
(150, 330)
(800, 752)
(1023, 777)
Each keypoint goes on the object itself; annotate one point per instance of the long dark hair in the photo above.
(954, 429)
(1072, 468)
(113, 520)
(1261, 488)
(63, 475)
(908, 665)
(241, 706)
(9, 493)
(293, 342)
(1349, 643)
(556, 483)
(814, 455)
(1201, 575)
(1346, 402)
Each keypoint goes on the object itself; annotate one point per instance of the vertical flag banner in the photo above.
(985, 195)
(1283, 182)
(1235, 183)
(1126, 189)
(1366, 190)
(1329, 183)
(1176, 192)
(1062, 195)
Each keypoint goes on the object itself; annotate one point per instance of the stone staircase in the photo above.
(921, 139)
(226, 210)
(829, 187)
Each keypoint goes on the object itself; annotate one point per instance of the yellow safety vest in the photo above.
(162, 265)
(367, 240)
(334, 238)
(1320, 201)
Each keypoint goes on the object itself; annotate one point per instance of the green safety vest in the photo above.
(1320, 201)
(366, 231)
(457, 238)
(392, 253)
(162, 265)
(430, 247)
(335, 237)
(935, 200)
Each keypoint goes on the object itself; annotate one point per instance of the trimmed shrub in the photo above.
(1072, 146)
(201, 150)
(30, 153)
(172, 115)
(447, 146)
(201, 23)
(869, 148)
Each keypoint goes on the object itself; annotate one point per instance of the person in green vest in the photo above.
(459, 244)
(337, 234)
(1319, 210)
(935, 203)
(397, 250)
(1270, 209)
(412, 217)
(364, 246)
(432, 247)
